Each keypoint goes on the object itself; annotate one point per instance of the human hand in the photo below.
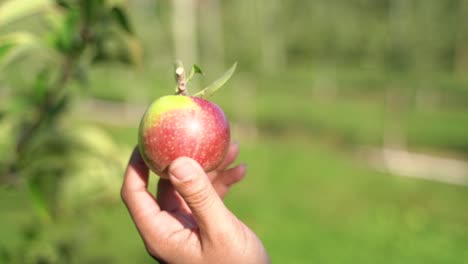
(188, 222)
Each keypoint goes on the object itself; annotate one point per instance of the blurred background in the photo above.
(351, 115)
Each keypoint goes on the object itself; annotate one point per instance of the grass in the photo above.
(309, 203)
(308, 200)
(326, 208)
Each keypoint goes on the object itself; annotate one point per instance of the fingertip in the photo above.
(231, 155)
(240, 171)
(136, 174)
(136, 160)
(234, 175)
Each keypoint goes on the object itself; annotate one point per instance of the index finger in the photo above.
(139, 201)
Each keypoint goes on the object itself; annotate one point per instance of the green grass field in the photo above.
(307, 195)
(309, 203)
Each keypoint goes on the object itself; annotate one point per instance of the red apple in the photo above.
(179, 125)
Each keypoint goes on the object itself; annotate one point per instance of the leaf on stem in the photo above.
(195, 69)
(214, 87)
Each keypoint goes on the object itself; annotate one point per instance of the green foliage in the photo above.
(14, 10)
(121, 18)
(15, 44)
(66, 169)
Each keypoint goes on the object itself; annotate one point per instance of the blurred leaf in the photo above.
(92, 9)
(80, 73)
(39, 197)
(212, 88)
(121, 18)
(4, 48)
(68, 39)
(13, 44)
(134, 50)
(95, 166)
(114, 3)
(7, 135)
(41, 85)
(123, 48)
(18, 104)
(63, 3)
(195, 69)
(56, 17)
(58, 107)
(5, 256)
(12, 10)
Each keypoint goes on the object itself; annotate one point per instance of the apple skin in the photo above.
(183, 126)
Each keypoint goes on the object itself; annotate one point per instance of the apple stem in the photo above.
(181, 88)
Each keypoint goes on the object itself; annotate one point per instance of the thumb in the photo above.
(192, 183)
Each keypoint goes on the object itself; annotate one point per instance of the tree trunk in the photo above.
(211, 34)
(184, 28)
(273, 54)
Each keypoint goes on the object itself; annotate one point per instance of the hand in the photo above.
(188, 222)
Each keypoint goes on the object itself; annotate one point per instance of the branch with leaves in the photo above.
(79, 37)
(37, 152)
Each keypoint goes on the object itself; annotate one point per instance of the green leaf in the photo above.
(11, 45)
(39, 198)
(113, 3)
(5, 48)
(68, 39)
(63, 4)
(40, 85)
(18, 38)
(134, 50)
(214, 87)
(195, 69)
(17, 105)
(121, 18)
(58, 107)
(12, 10)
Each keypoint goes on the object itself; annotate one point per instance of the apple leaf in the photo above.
(13, 10)
(121, 18)
(37, 191)
(195, 69)
(214, 87)
(11, 45)
(5, 48)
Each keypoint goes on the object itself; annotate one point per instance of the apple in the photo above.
(179, 125)
(185, 126)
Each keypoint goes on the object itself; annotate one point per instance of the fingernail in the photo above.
(182, 170)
